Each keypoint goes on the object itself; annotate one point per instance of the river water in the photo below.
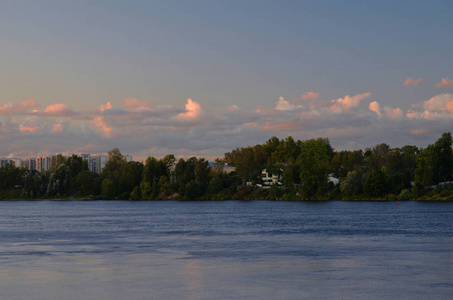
(225, 250)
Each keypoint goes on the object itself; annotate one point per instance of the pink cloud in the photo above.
(393, 113)
(105, 107)
(440, 102)
(57, 128)
(438, 107)
(427, 115)
(136, 105)
(411, 114)
(265, 111)
(345, 104)
(310, 96)
(445, 82)
(56, 110)
(9, 109)
(193, 111)
(26, 128)
(412, 81)
(101, 127)
(374, 107)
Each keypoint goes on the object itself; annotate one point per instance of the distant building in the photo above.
(6, 161)
(96, 163)
(128, 158)
(270, 179)
(17, 162)
(46, 162)
(92, 163)
(334, 180)
(38, 164)
(33, 163)
(102, 161)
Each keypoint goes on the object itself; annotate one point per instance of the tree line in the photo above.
(304, 167)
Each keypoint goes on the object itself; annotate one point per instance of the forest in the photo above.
(303, 169)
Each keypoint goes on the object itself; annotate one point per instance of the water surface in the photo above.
(225, 250)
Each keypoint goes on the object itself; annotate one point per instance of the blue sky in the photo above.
(86, 76)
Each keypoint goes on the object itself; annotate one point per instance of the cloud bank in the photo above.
(142, 128)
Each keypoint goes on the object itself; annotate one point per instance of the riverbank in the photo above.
(427, 196)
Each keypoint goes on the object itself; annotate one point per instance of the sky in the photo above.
(200, 78)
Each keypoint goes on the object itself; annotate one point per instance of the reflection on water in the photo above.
(226, 250)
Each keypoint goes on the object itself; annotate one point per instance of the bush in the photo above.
(405, 194)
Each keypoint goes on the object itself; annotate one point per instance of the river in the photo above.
(225, 250)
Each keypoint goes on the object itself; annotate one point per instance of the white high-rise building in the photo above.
(93, 164)
(45, 166)
(6, 161)
(102, 160)
(96, 162)
(39, 164)
(17, 162)
(32, 163)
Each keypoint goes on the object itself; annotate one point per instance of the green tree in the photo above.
(59, 182)
(352, 183)
(376, 183)
(169, 160)
(130, 177)
(76, 164)
(215, 185)
(314, 166)
(291, 174)
(108, 189)
(245, 165)
(153, 170)
(86, 183)
(56, 161)
(10, 181)
(31, 184)
(442, 158)
(424, 171)
(193, 190)
(184, 173)
(114, 162)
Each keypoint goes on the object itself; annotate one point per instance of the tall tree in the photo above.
(314, 166)
(76, 164)
(245, 164)
(153, 170)
(442, 158)
(114, 162)
(130, 177)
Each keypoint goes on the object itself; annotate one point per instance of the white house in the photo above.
(271, 179)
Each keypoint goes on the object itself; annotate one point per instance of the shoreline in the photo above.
(222, 200)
